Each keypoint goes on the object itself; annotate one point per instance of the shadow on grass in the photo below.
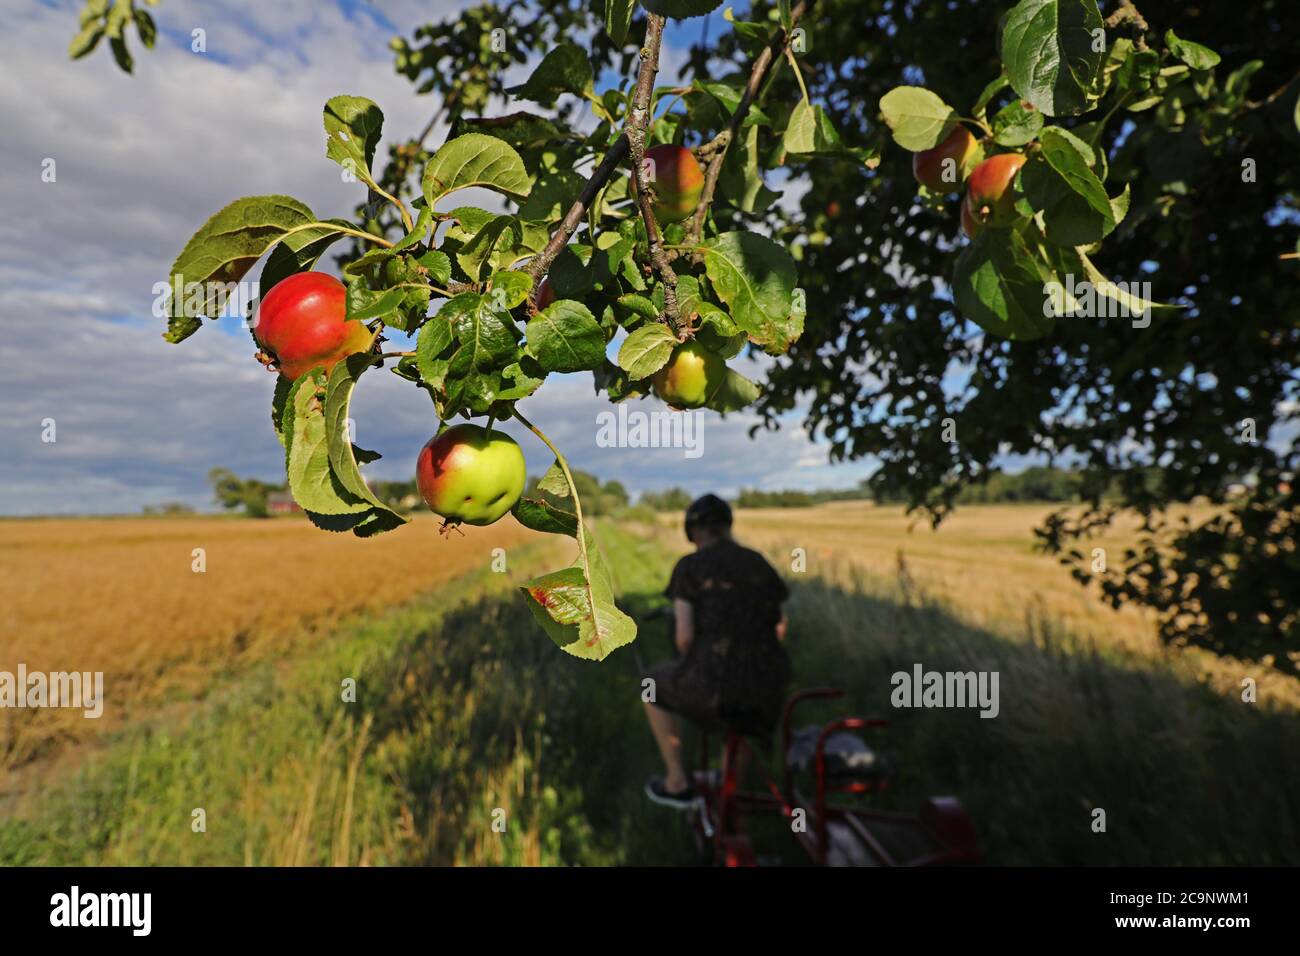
(1182, 775)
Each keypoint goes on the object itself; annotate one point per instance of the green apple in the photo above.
(468, 474)
(690, 377)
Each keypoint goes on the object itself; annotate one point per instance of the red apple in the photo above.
(545, 294)
(929, 166)
(989, 196)
(302, 323)
(678, 181)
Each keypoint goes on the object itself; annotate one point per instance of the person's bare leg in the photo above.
(667, 733)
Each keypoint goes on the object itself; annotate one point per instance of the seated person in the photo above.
(728, 629)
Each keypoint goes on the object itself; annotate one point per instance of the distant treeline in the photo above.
(1036, 484)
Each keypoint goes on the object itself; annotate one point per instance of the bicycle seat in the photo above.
(846, 754)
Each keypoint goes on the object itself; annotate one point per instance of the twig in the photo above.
(716, 151)
(635, 131)
(573, 218)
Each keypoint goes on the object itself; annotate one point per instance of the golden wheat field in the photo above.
(982, 564)
(123, 596)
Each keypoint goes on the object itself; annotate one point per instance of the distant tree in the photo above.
(233, 492)
(671, 499)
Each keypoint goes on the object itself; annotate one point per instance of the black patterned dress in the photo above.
(735, 673)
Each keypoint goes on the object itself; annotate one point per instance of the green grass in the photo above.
(467, 716)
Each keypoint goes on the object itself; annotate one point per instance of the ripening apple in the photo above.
(545, 294)
(989, 196)
(928, 166)
(302, 323)
(468, 474)
(690, 377)
(678, 182)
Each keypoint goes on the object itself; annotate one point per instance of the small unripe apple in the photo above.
(545, 294)
(929, 166)
(690, 377)
(470, 475)
(302, 322)
(678, 181)
(989, 196)
(968, 223)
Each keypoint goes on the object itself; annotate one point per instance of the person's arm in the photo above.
(684, 616)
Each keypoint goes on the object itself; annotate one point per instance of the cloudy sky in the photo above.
(142, 161)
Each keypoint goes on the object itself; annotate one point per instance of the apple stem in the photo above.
(573, 490)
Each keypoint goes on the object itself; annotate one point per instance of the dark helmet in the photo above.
(708, 511)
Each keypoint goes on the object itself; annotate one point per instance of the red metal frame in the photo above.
(719, 812)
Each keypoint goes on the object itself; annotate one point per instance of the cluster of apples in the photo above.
(467, 473)
(989, 199)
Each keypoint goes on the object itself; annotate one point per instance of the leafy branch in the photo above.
(715, 151)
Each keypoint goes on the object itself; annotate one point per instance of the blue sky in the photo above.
(141, 161)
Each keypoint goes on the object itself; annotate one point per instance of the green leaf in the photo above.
(85, 41)
(755, 277)
(342, 454)
(998, 286)
(986, 96)
(552, 195)
(510, 288)
(918, 119)
(418, 232)
(311, 479)
(734, 393)
(282, 388)
(618, 17)
(299, 251)
(639, 305)
(576, 608)
(1057, 182)
(538, 514)
(554, 482)
(487, 337)
(1050, 54)
(120, 53)
(438, 264)
(1016, 124)
(475, 159)
(811, 132)
(1193, 54)
(681, 9)
(222, 252)
(565, 69)
(1133, 304)
(646, 350)
(729, 96)
(353, 125)
(145, 26)
(434, 338)
(565, 337)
